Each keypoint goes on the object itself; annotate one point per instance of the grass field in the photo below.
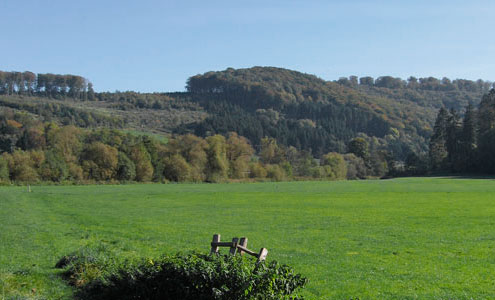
(413, 238)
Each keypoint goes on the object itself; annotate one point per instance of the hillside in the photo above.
(296, 109)
(309, 113)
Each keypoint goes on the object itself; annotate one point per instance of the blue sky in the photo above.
(154, 46)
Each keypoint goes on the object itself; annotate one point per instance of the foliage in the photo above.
(142, 160)
(281, 117)
(191, 276)
(465, 145)
(100, 161)
(126, 169)
(335, 166)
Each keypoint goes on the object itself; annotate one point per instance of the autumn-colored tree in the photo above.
(177, 169)
(76, 172)
(218, 164)
(239, 152)
(256, 170)
(100, 161)
(141, 158)
(193, 150)
(275, 172)
(32, 138)
(65, 140)
(271, 152)
(22, 166)
(334, 165)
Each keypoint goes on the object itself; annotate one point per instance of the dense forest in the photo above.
(260, 123)
(464, 144)
(309, 113)
(34, 151)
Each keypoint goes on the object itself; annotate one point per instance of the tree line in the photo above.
(465, 144)
(423, 83)
(35, 151)
(47, 85)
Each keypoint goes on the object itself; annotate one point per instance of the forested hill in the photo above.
(394, 116)
(309, 113)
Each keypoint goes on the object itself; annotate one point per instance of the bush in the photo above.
(191, 276)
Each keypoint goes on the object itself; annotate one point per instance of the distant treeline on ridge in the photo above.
(49, 85)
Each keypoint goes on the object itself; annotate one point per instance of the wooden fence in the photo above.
(237, 246)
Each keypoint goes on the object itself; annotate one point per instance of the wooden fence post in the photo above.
(263, 254)
(233, 248)
(214, 247)
(243, 243)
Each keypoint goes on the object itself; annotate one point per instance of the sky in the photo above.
(154, 46)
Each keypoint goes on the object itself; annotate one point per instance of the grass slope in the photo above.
(415, 238)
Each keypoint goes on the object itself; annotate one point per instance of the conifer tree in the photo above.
(438, 149)
(453, 133)
(468, 140)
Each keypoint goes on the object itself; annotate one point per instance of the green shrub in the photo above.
(191, 276)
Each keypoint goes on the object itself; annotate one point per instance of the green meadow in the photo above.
(410, 238)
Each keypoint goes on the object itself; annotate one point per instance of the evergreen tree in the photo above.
(469, 140)
(453, 131)
(486, 121)
(438, 149)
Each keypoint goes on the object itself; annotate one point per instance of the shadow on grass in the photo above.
(445, 176)
(464, 176)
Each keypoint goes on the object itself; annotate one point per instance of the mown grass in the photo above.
(413, 238)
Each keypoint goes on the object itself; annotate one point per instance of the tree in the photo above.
(369, 81)
(486, 142)
(193, 149)
(486, 112)
(275, 172)
(239, 153)
(438, 149)
(334, 165)
(177, 169)
(218, 164)
(356, 168)
(126, 169)
(66, 140)
(142, 160)
(4, 169)
(359, 147)
(453, 132)
(54, 167)
(271, 152)
(91, 92)
(22, 166)
(416, 165)
(257, 170)
(468, 139)
(32, 138)
(100, 161)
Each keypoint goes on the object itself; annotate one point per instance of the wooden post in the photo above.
(263, 254)
(233, 248)
(243, 243)
(237, 246)
(214, 247)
